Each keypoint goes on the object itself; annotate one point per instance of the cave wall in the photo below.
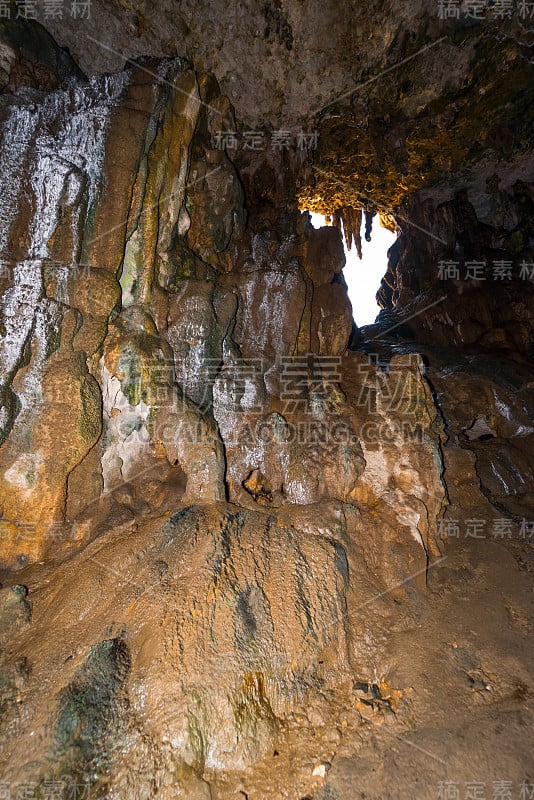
(462, 268)
(174, 325)
(175, 336)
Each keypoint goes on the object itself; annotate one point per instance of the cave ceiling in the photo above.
(393, 96)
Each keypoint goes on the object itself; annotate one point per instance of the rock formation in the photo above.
(248, 550)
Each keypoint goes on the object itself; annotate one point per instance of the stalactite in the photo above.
(348, 221)
(369, 215)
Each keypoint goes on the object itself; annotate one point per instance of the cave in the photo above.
(251, 548)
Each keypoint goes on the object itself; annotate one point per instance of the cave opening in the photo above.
(363, 275)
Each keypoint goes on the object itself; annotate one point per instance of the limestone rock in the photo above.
(245, 526)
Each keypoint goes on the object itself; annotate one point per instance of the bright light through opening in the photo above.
(363, 277)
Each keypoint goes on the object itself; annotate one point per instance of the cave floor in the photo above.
(464, 726)
(460, 724)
